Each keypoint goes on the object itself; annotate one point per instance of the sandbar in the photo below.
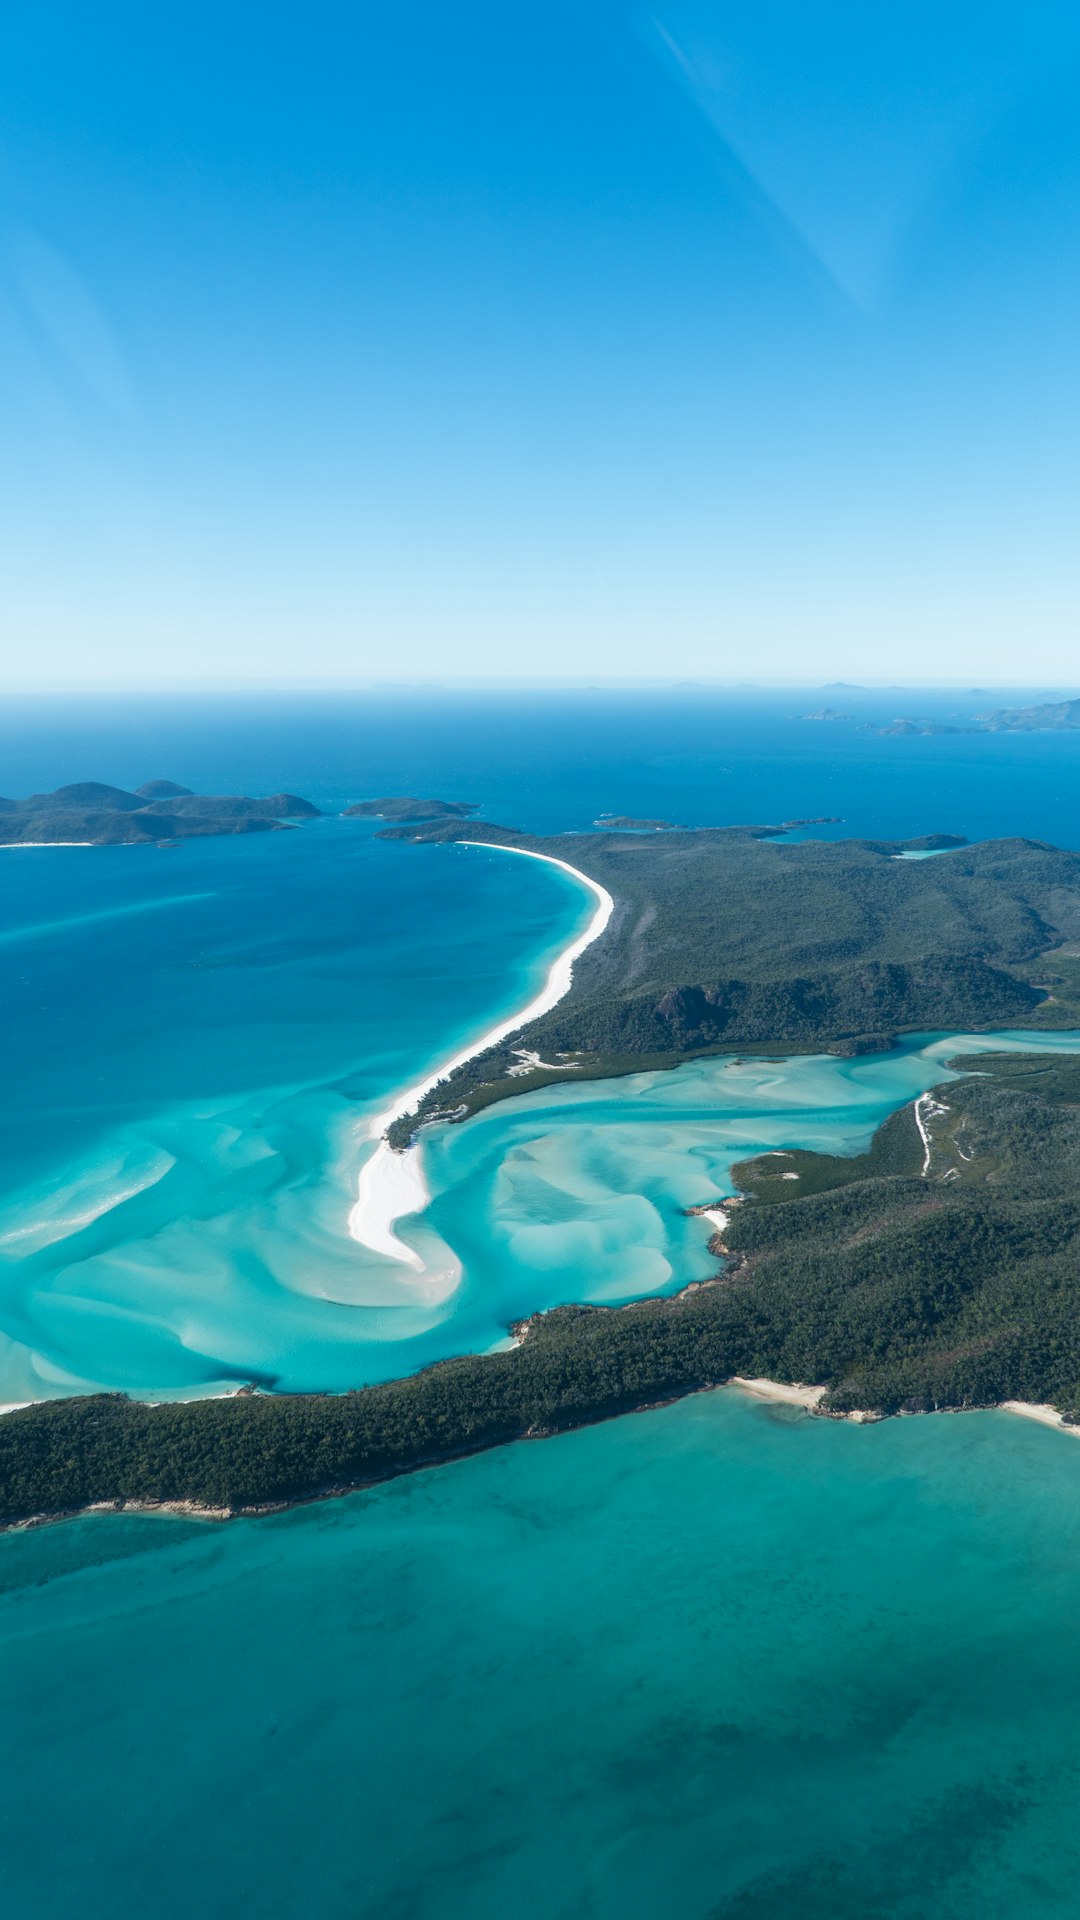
(392, 1184)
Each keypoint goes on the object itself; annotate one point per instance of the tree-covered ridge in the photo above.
(92, 813)
(407, 807)
(955, 1288)
(723, 939)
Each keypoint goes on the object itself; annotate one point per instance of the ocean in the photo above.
(713, 1658)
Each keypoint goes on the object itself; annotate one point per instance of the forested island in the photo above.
(906, 1279)
(629, 823)
(404, 807)
(1048, 716)
(727, 938)
(938, 1269)
(93, 814)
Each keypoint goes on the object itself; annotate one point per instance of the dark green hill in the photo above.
(94, 814)
(725, 939)
(407, 807)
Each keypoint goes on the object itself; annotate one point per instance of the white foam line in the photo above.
(392, 1184)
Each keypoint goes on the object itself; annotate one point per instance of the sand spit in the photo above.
(392, 1184)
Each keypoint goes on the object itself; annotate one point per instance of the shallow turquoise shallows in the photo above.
(719, 1661)
(201, 1036)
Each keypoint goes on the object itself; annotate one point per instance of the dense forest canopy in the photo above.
(725, 938)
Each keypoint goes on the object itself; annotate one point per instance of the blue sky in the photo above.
(355, 342)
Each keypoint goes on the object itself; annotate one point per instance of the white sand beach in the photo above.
(776, 1390)
(392, 1184)
(716, 1217)
(1046, 1416)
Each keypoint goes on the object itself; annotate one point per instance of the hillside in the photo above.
(90, 813)
(724, 939)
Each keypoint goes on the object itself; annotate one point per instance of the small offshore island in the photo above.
(93, 814)
(937, 1270)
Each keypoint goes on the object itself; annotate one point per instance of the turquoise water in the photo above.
(194, 1038)
(198, 1036)
(720, 1661)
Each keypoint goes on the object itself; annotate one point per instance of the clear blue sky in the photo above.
(351, 341)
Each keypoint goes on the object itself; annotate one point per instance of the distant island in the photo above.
(92, 814)
(626, 823)
(405, 807)
(1051, 716)
(902, 727)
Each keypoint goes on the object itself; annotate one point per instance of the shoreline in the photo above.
(775, 1392)
(392, 1184)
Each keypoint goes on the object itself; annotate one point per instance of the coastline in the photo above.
(776, 1392)
(392, 1184)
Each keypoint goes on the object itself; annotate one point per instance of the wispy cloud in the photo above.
(68, 317)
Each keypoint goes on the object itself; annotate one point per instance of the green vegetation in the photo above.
(896, 1148)
(404, 807)
(895, 1291)
(98, 815)
(724, 940)
(1053, 1076)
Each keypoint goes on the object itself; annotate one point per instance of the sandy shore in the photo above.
(715, 1215)
(392, 1184)
(1046, 1416)
(776, 1390)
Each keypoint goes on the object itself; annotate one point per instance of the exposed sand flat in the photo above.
(716, 1216)
(776, 1390)
(392, 1184)
(1046, 1416)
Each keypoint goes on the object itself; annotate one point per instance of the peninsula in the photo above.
(93, 814)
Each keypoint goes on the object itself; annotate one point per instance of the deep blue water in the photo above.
(554, 761)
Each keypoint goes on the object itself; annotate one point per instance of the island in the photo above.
(1054, 715)
(403, 807)
(940, 1268)
(93, 814)
(903, 727)
(1058, 715)
(626, 823)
